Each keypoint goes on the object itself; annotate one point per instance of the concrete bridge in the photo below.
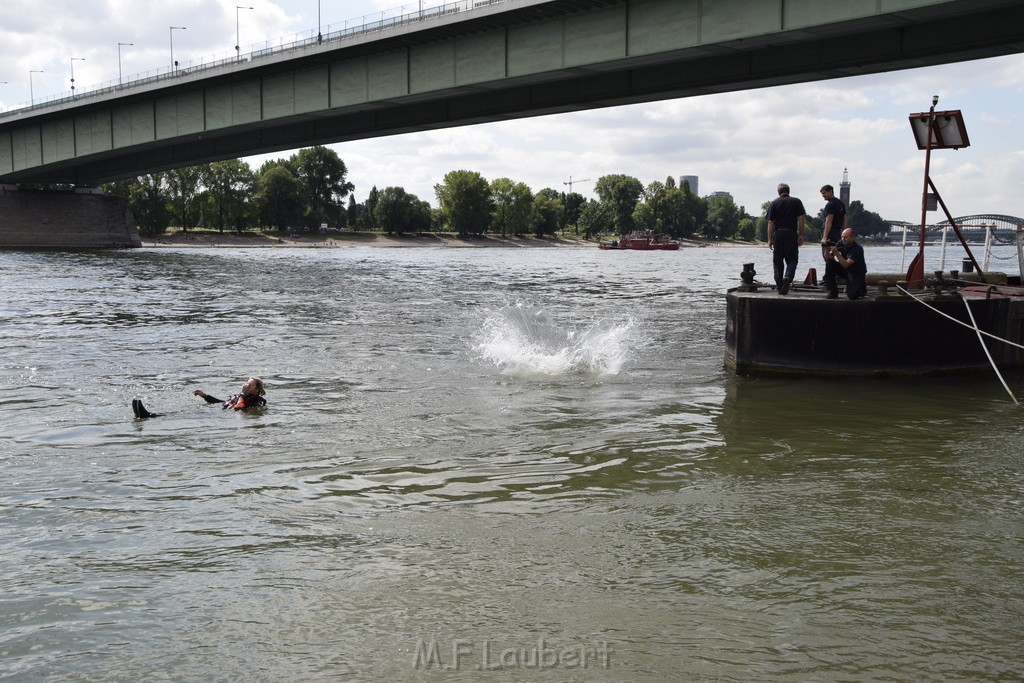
(471, 62)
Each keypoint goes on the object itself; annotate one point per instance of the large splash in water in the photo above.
(524, 340)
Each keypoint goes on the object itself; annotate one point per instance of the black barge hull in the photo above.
(803, 333)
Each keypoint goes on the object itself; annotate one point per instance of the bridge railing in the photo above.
(937, 237)
(389, 19)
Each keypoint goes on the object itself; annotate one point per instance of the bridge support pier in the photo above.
(65, 219)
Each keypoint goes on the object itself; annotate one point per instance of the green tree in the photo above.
(371, 205)
(277, 196)
(147, 197)
(465, 202)
(399, 212)
(621, 193)
(664, 210)
(653, 190)
(654, 197)
(747, 229)
(549, 212)
(644, 218)
(762, 222)
(436, 219)
(183, 187)
(596, 218)
(696, 208)
(813, 226)
(723, 218)
(321, 174)
(675, 219)
(354, 212)
(423, 215)
(228, 184)
(573, 203)
(865, 222)
(511, 207)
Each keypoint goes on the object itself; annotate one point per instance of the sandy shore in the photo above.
(204, 238)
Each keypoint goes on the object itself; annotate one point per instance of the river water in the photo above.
(479, 464)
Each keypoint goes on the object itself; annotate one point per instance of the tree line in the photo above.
(310, 189)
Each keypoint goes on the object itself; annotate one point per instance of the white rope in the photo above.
(960, 322)
(983, 346)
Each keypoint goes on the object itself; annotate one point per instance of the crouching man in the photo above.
(846, 261)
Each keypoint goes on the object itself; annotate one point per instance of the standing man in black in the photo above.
(785, 235)
(835, 220)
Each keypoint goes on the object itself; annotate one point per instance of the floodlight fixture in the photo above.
(947, 129)
(936, 130)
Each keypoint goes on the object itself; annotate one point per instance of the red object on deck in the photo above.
(915, 273)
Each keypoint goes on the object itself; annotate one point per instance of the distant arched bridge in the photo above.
(974, 226)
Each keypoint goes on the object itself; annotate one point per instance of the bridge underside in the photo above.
(907, 38)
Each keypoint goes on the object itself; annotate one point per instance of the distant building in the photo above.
(720, 193)
(844, 188)
(692, 180)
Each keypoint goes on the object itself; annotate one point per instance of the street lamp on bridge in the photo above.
(73, 60)
(174, 64)
(238, 53)
(119, 45)
(31, 92)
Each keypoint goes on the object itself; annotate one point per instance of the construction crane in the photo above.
(578, 180)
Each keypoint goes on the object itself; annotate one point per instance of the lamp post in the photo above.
(31, 92)
(319, 34)
(119, 79)
(73, 60)
(174, 66)
(238, 54)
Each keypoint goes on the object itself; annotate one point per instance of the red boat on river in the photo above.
(644, 240)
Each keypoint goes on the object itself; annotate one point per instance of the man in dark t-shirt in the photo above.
(786, 217)
(846, 261)
(835, 219)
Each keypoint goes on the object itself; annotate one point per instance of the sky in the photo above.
(743, 143)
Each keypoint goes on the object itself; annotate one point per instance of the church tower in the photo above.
(844, 189)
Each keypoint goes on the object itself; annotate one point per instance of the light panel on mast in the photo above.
(949, 131)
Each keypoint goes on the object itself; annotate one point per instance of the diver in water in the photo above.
(250, 397)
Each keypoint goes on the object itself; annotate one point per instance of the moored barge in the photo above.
(908, 324)
(888, 332)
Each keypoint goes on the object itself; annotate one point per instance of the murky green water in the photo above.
(477, 464)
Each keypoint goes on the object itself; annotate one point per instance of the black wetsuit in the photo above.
(239, 401)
